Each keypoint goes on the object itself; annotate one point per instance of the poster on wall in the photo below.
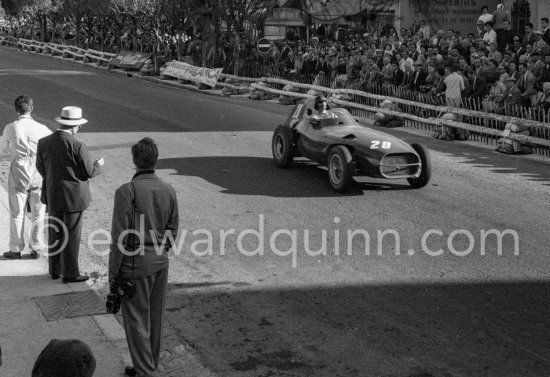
(458, 15)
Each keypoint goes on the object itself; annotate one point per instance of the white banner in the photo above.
(181, 70)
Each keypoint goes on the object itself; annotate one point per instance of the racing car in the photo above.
(335, 139)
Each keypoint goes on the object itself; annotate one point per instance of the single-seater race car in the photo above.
(334, 138)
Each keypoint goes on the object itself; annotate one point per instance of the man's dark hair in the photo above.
(545, 19)
(23, 104)
(489, 23)
(484, 7)
(530, 25)
(65, 358)
(145, 153)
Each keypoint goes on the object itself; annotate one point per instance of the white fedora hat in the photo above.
(71, 116)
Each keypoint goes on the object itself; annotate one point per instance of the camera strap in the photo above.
(133, 227)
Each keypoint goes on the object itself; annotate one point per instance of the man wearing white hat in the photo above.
(65, 165)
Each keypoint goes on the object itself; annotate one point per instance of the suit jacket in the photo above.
(512, 97)
(65, 166)
(418, 79)
(407, 79)
(397, 77)
(528, 39)
(546, 36)
(478, 86)
(538, 69)
(156, 214)
(527, 85)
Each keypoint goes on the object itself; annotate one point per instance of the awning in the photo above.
(331, 11)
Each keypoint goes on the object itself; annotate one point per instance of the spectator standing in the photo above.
(155, 202)
(20, 140)
(432, 80)
(493, 100)
(540, 44)
(66, 167)
(485, 15)
(407, 76)
(425, 30)
(454, 86)
(503, 75)
(490, 35)
(528, 52)
(545, 29)
(511, 97)
(478, 86)
(538, 66)
(499, 16)
(526, 84)
(546, 71)
(505, 36)
(529, 36)
(419, 76)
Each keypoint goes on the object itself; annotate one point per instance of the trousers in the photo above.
(64, 230)
(18, 202)
(143, 318)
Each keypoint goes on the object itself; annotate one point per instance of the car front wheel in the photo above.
(282, 146)
(426, 173)
(340, 168)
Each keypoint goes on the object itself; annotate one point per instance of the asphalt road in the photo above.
(361, 307)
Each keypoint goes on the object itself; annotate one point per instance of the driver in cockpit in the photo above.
(321, 108)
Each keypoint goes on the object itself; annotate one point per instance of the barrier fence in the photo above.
(419, 110)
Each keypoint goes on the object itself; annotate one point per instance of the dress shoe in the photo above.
(33, 254)
(130, 371)
(55, 276)
(12, 255)
(77, 279)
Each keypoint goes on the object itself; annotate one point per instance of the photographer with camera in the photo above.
(145, 219)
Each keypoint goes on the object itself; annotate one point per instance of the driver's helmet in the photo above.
(318, 100)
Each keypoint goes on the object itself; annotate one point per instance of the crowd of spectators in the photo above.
(494, 65)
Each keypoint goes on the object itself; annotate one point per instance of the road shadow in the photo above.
(259, 176)
(402, 330)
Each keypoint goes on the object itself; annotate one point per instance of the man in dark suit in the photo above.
(65, 165)
(529, 36)
(419, 76)
(478, 85)
(544, 23)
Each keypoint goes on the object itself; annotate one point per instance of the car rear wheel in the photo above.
(340, 168)
(426, 162)
(282, 146)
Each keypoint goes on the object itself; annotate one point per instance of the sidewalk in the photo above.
(25, 331)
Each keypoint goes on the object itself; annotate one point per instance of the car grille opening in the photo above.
(399, 165)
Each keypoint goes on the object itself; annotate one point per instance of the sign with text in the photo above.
(184, 71)
(459, 15)
(130, 59)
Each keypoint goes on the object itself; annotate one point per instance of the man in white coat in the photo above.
(20, 140)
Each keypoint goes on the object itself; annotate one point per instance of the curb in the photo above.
(177, 357)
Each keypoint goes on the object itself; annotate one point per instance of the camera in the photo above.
(120, 289)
